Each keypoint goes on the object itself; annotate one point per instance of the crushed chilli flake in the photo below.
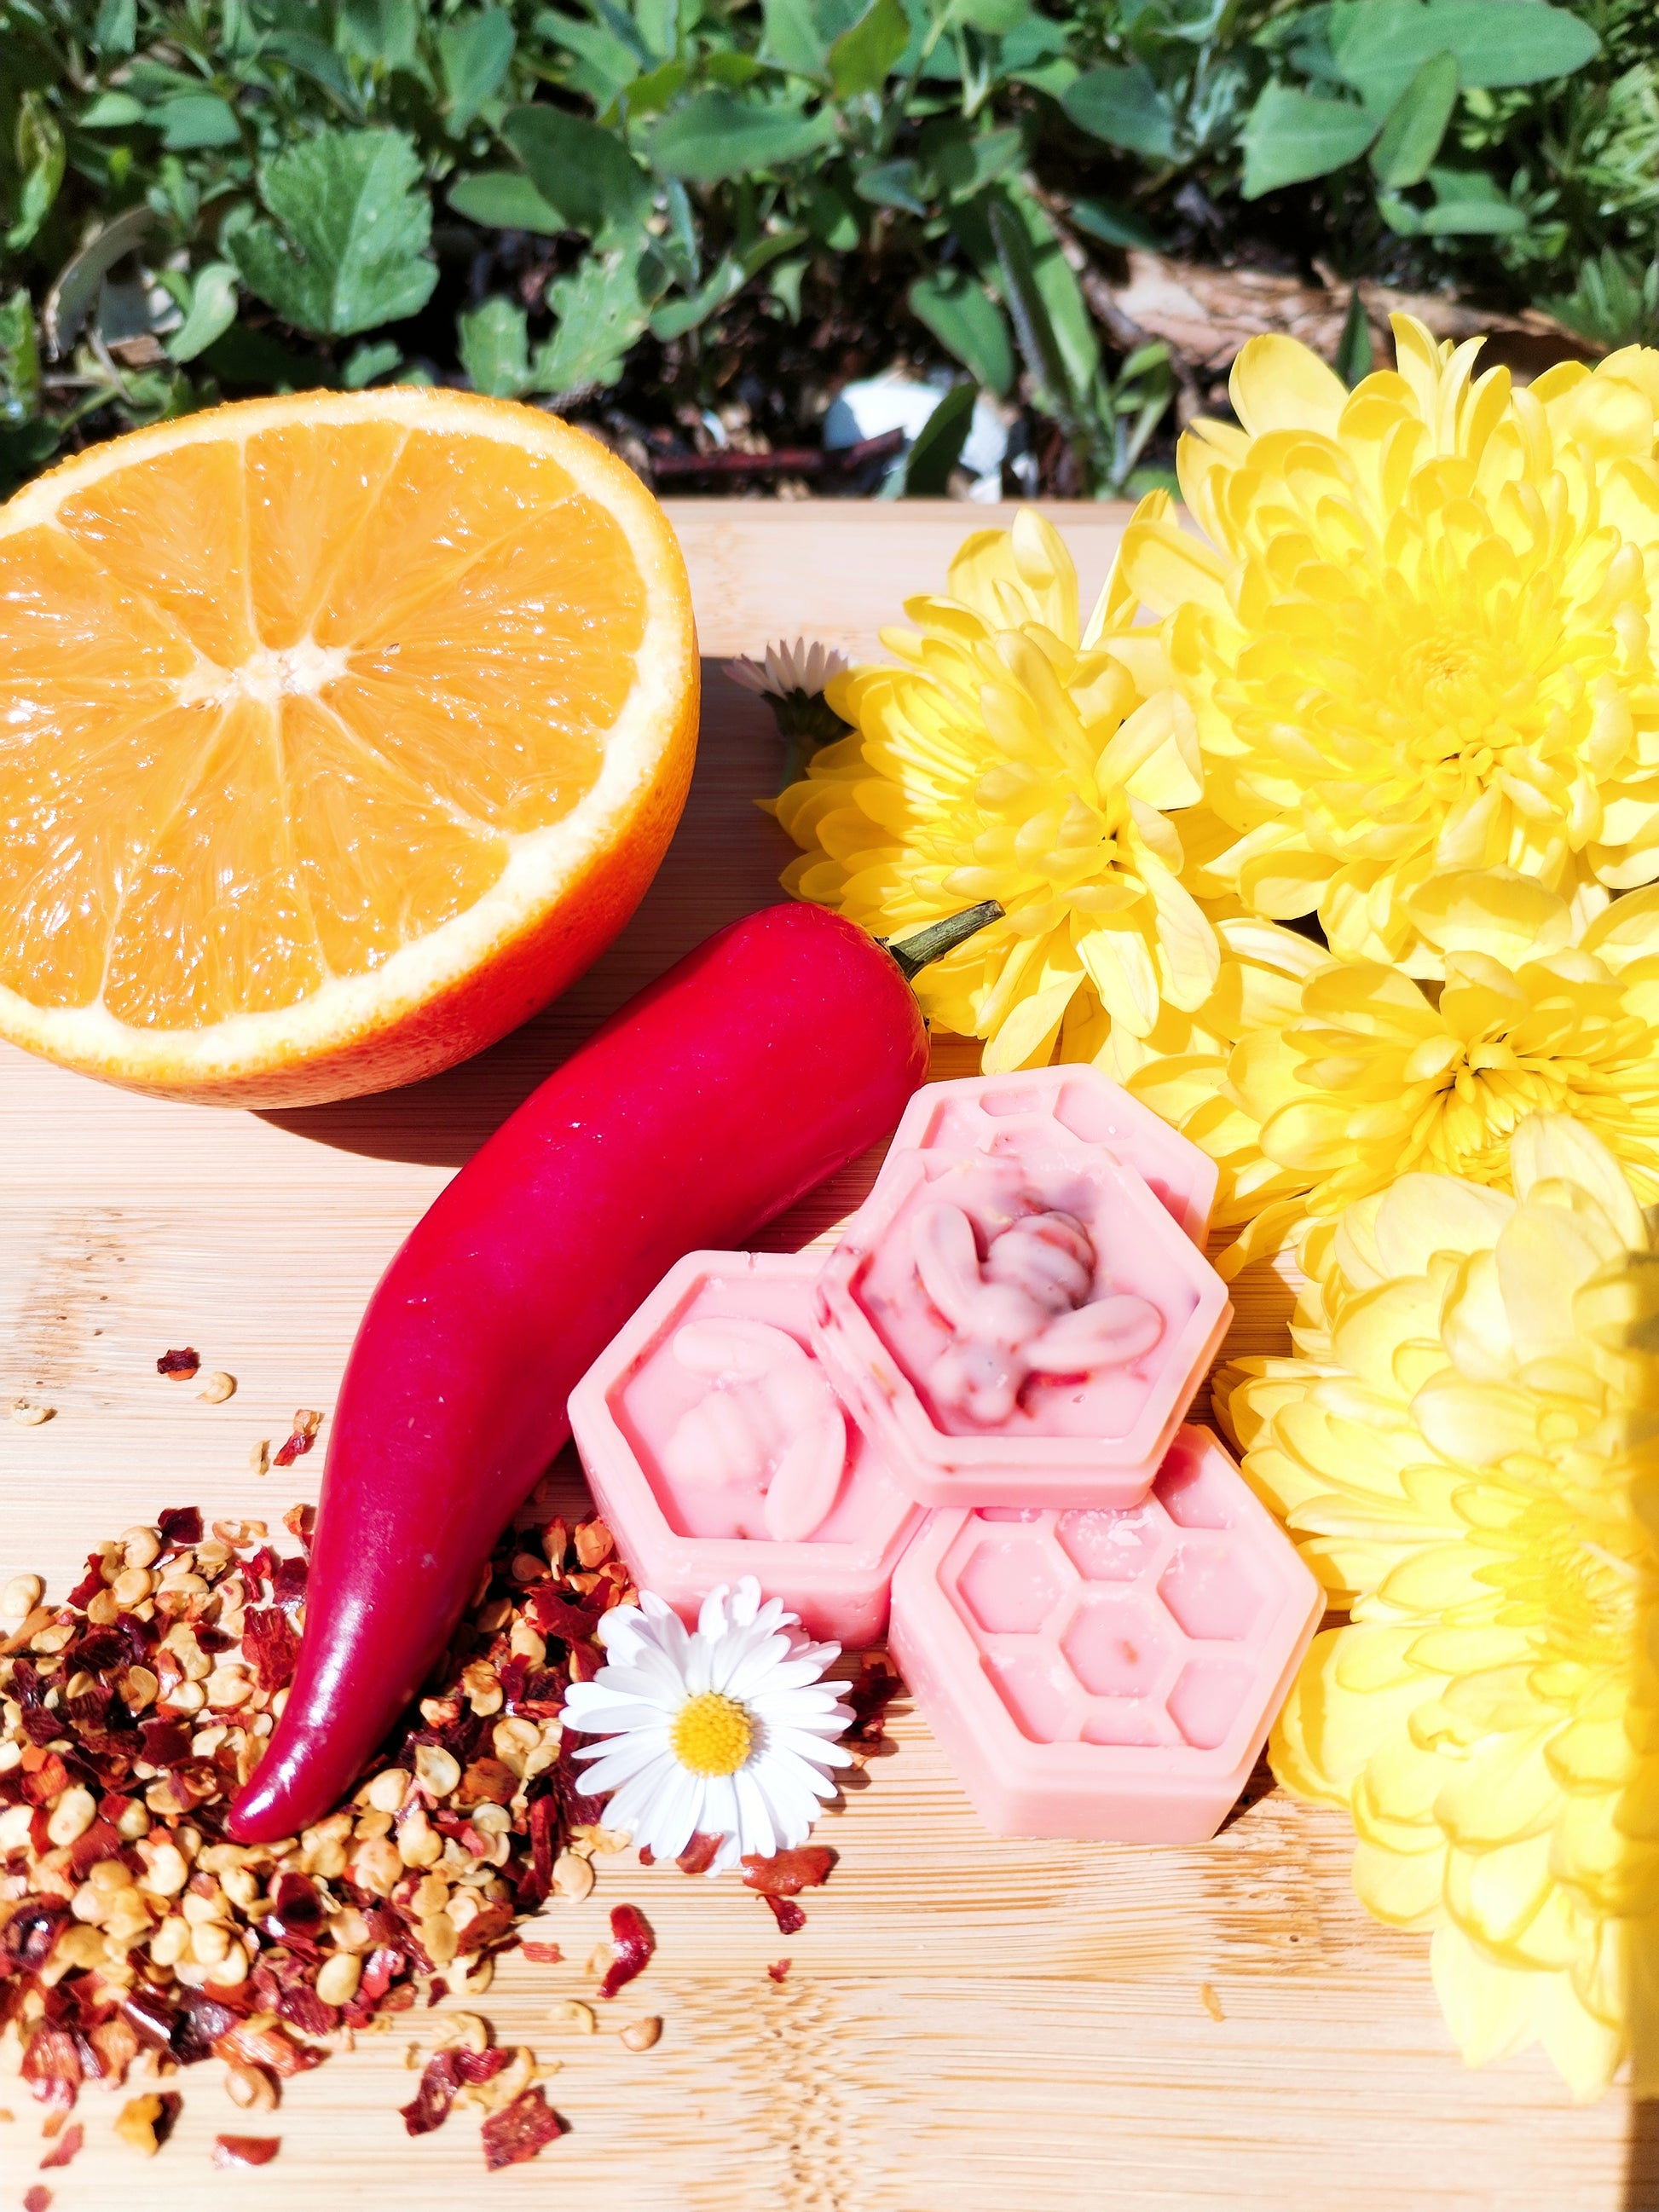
(632, 1943)
(245, 2150)
(136, 1940)
(300, 1438)
(525, 2126)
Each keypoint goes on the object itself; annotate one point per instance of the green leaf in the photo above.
(863, 59)
(717, 135)
(660, 89)
(969, 324)
(1062, 297)
(603, 308)
(1291, 136)
(890, 184)
(996, 18)
(1033, 326)
(1411, 136)
(115, 28)
(827, 212)
(1124, 107)
(962, 161)
(1401, 217)
(197, 118)
(605, 62)
(1480, 218)
(505, 199)
(368, 361)
(19, 358)
(732, 70)
(1115, 225)
(1469, 201)
(350, 250)
(939, 445)
(113, 111)
(386, 34)
(791, 37)
(495, 347)
(71, 299)
(211, 312)
(1353, 348)
(784, 282)
(1616, 302)
(474, 52)
(586, 172)
(39, 145)
(676, 317)
(309, 57)
(1380, 44)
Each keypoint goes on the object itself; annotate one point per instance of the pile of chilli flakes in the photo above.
(136, 1940)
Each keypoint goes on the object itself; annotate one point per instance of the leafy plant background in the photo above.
(686, 221)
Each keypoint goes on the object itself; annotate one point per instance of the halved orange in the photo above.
(337, 732)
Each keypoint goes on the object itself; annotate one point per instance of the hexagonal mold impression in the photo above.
(1207, 1701)
(1115, 1647)
(1135, 1714)
(1112, 1547)
(1131, 1721)
(1211, 1593)
(1040, 1699)
(1009, 1586)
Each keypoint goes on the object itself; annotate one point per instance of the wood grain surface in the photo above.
(1025, 2027)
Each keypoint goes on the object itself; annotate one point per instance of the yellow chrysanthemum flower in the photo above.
(1366, 1075)
(1466, 1452)
(1419, 639)
(1016, 757)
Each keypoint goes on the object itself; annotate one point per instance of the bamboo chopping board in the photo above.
(1030, 2028)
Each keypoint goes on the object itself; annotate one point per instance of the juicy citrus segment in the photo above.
(432, 517)
(177, 537)
(63, 614)
(334, 734)
(385, 855)
(61, 872)
(310, 490)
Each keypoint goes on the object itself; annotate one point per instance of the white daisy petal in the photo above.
(635, 1803)
(678, 1814)
(755, 1825)
(619, 1758)
(745, 1648)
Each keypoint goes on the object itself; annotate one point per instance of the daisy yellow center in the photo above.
(712, 1735)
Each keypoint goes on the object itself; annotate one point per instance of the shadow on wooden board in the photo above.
(1641, 2159)
(723, 862)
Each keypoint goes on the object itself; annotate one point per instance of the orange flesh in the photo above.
(271, 708)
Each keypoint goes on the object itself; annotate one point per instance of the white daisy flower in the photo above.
(788, 667)
(726, 1730)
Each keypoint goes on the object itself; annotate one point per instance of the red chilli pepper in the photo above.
(763, 1062)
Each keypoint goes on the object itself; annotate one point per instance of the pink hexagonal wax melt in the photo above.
(1106, 1676)
(1020, 1322)
(990, 1114)
(716, 1447)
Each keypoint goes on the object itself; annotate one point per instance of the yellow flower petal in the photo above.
(1490, 1715)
